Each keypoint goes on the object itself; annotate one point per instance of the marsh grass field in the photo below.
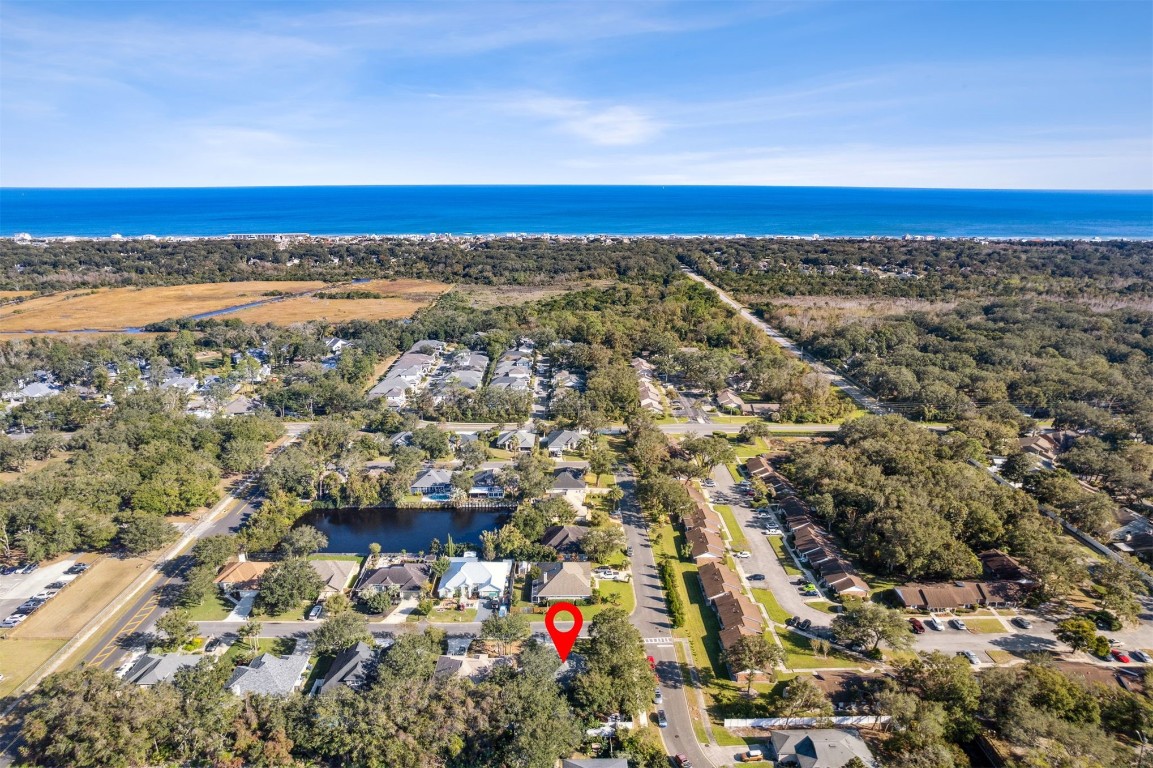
(399, 298)
(113, 309)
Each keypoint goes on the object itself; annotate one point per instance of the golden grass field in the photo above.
(66, 614)
(116, 308)
(20, 658)
(401, 298)
(5, 295)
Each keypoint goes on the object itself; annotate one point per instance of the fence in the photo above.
(860, 721)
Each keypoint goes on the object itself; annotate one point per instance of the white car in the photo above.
(742, 555)
(934, 623)
(13, 620)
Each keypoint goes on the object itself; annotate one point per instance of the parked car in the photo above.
(9, 570)
(1120, 655)
(46, 594)
(804, 624)
(957, 624)
(772, 530)
(753, 755)
(78, 568)
(742, 555)
(972, 657)
(934, 623)
(683, 762)
(29, 568)
(662, 721)
(652, 662)
(316, 612)
(1022, 622)
(756, 577)
(13, 620)
(658, 697)
(57, 585)
(628, 551)
(709, 483)
(1141, 656)
(917, 627)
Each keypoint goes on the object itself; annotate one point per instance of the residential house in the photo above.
(509, 382)
(431, 482)
(473, 668)
(643, 367)
(999, 566)
(486, 484)
(562, 581)
(350, 668)
(848, 585)
(704, 545)
(153, 668)
(650, 397)
(406, 578)
(960, 594)
(429, 347)
(760, 468)
(271, 675)
(717, 580)
(568, 479)
(470, 577)
(242, 578)
(730, 401)
(819, 748)
(565, 539)
(562, 441)
(565, 380)
(336, 575)
(335, 346)
(522, 440)
(734, 609)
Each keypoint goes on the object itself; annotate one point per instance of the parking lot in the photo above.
(17, 588)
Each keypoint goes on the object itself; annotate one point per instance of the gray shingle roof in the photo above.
(152, 668)
(269, 674)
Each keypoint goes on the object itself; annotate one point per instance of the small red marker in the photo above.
(563, 639)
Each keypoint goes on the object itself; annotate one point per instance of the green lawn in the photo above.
(320, 667)
(786, 560)
(281, 646)
(352, 558)
(734, 472)
(701, 626)
(297, 613)
(214, 608)
(447, 617)
(628, 601)
(736, 535)
(985, 626)
(799, 654)
(774, 609)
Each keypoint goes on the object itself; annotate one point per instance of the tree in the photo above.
(177, 628)
(753, 654)
(602, 543)
(600, 460)
(1078, 633)
(287, 584)
(340, 631)
(378, 601)
(440, 565)
(432, 440)
(754, 429)
(870, 624)
(303, 540)
(337, 603)
(89, 718)
(709, 452)
(250, 632)
(144, 533)
(803, 697)
(214, 551)
(617, 677)
(505, 630)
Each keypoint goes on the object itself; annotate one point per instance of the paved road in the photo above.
(651, 619)
(852, 391)
(118, 639)
(763, 559)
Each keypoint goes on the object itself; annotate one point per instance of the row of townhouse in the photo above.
(652, 400)
(434, 482)
(513, 369)
(408, 373)
(812, 544)
(737, 614)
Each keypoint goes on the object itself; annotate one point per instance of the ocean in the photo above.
(576, 210)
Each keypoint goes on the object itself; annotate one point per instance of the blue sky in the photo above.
(922, 94)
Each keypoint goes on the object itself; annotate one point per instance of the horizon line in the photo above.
(1116, 190)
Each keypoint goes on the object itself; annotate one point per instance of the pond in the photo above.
(411, 530)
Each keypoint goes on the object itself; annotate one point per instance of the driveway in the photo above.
(763, 558)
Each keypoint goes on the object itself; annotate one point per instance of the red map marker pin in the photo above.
(563, 639)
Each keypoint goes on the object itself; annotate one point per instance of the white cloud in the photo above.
(610, 126)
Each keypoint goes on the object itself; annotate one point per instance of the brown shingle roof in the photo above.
(246, 575)
(734, 609)
(704, 543)
(717, 579)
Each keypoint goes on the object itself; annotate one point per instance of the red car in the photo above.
(1120, 656)
(652, 663)
(917, 627)
(683, 762)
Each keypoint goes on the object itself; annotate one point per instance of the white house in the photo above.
(470, 577)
